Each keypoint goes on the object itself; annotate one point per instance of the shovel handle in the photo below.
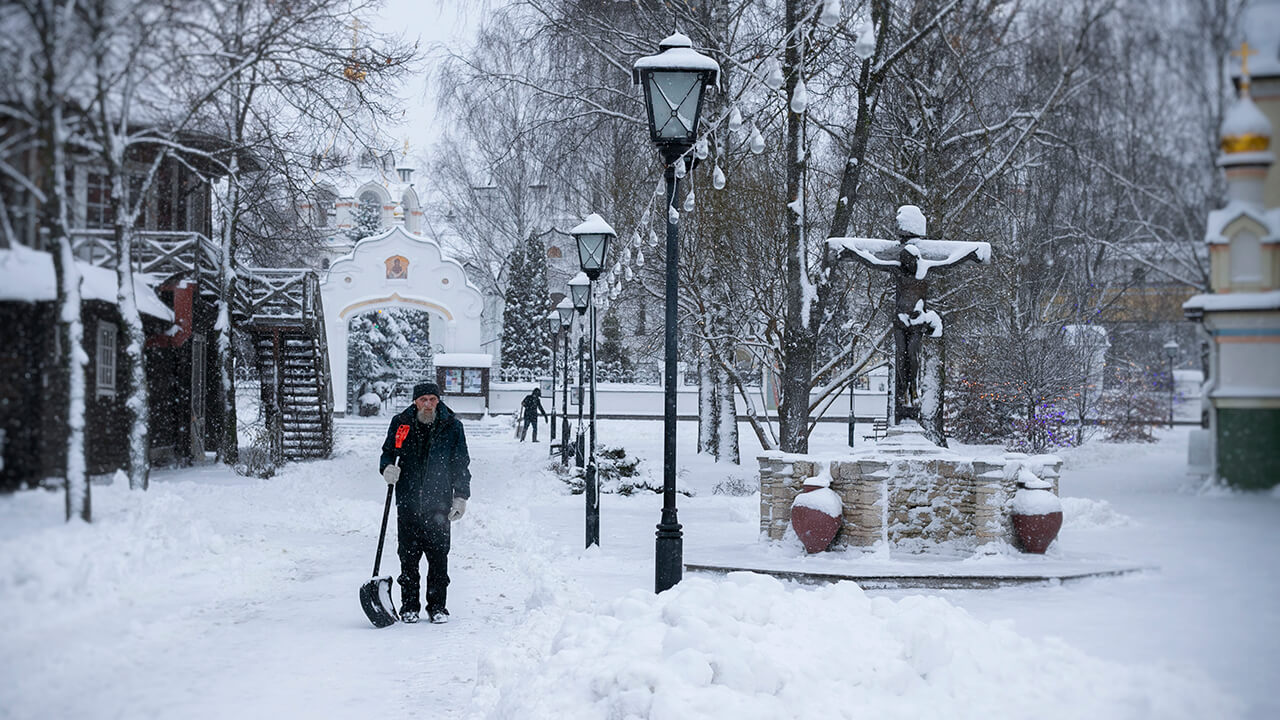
(382, 536)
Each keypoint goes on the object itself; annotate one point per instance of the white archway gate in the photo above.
(397, 268)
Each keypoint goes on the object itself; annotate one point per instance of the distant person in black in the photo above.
(433, 482)
(530, 408)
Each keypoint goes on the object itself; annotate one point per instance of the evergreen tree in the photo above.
(524, 327)
(388, 348)
(611, 355)
(367, 221)
(415, 357)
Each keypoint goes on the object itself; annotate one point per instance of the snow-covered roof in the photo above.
(27, 275)
(1087, 333)
(1236, 301)
(1244, 117)
(350, 182)
(471, 360)
(1254, 157)
(1222, 217)
(593, 224)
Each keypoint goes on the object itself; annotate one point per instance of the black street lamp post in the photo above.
(553, 325)
(565, 311)
(673, 83)
(580, 290)
(593, 235)
(1171, 352)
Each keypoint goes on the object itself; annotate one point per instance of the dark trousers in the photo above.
(525, 424)
(418, 539)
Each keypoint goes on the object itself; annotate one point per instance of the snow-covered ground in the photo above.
(214, 596)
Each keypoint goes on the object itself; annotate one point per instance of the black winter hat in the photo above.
(425, 388)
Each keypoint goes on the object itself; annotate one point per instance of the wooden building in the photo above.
(174, 258)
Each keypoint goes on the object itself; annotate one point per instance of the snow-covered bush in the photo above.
(369, 405)
(737, 486)
(254, 459)
(617, 474)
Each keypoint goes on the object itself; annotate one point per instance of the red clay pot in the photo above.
(815, 528)
(1036, 532)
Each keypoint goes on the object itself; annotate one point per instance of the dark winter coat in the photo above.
(532, 405)
(434, 463)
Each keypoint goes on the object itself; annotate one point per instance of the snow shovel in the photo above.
(375, 594)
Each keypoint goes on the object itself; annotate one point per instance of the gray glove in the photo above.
(391, 474)
(459, 507)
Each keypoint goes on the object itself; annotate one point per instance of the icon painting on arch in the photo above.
(397, 267)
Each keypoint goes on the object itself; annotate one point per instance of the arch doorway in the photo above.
(398, 269)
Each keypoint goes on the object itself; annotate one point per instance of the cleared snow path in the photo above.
(214, 596)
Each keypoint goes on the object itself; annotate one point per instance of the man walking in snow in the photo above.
(530, 407)
(432, 481)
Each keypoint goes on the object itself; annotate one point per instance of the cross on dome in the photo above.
(1243, 53)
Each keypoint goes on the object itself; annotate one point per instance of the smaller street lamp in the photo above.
(581, 288)
(565, 311)
(553, 326)
(580, 293)
(1171, 352)
(593, 235)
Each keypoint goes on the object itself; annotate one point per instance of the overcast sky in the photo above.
(448, 22)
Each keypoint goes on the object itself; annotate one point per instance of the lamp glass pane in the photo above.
(674, 96)
(581, 296)
(566, 315)
(591, 251)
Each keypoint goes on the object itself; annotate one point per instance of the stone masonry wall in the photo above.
(932, 499)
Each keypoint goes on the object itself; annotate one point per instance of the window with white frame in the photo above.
(105, 374)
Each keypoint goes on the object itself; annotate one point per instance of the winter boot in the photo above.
(439, 617)
(410, 617)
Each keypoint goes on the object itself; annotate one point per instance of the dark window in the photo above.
(640, 320)
(97, 201)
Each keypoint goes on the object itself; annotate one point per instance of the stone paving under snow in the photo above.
(214, 596)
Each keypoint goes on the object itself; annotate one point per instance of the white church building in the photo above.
(1241, 316)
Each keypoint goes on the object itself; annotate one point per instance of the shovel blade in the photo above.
(375, 598)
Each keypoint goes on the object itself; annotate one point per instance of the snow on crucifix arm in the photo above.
(945, 253)
(874, 252)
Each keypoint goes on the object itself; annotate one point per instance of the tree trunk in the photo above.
(708, 409)
(727, 436)
(229, 445)
(70, 364)
(798, 342)
(139, 467)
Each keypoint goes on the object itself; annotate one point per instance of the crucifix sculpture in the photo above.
(909, 259)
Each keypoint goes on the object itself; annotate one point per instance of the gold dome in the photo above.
(1248, 142)
(1245, 129)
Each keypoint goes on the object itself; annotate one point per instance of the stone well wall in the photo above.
(911, 501)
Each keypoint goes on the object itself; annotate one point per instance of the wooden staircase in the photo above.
(279, 308)
(284, 317)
